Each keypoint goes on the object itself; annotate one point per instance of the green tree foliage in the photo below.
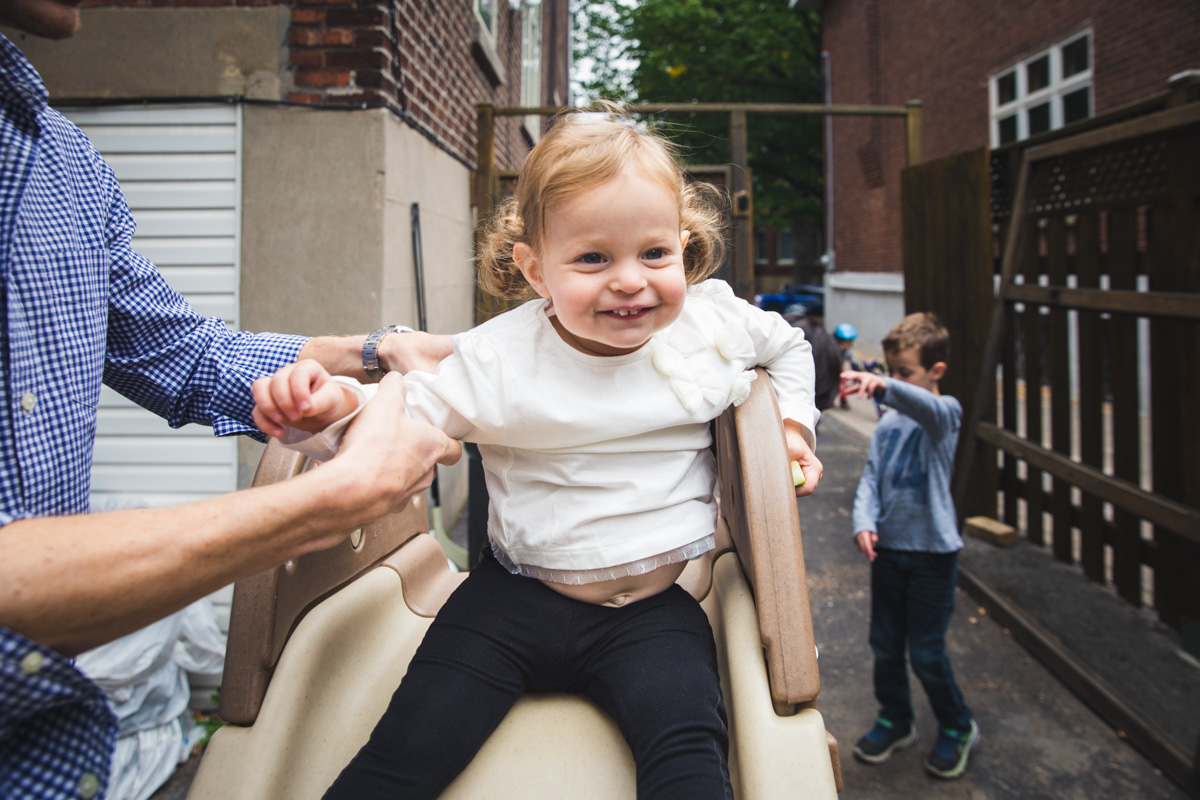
(714, 51)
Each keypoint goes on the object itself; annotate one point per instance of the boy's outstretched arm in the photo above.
(862, 384)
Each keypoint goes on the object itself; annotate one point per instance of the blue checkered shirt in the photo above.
(56, 731)
(79, 307)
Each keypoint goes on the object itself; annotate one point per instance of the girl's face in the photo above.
(611, 264)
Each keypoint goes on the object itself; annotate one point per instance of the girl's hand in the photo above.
(300, 395)
(865, 541)
(802, 454)
(862, 384)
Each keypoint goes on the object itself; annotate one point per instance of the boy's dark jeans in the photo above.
(912, 600)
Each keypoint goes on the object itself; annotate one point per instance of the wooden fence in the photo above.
(1080, 428)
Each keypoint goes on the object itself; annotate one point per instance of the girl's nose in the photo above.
(627, 277)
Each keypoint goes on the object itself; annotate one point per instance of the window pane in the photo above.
(1077, 105)
(1037, 74)
(1039, 119)
(1006, 88)
(485, 13)
(760, 245)
(1007, 128)
(786, 250)
(1075, 56)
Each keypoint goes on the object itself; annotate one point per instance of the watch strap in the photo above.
(370, 349)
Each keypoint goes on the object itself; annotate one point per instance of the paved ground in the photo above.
(1038, 739)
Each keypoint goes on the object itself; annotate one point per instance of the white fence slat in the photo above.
(205, 114)
(156, 224)
(173, 166)
(216, 305)
(134, 450)
(174, 252)
(163, 138)
(147, 195)
(131, 420)
(146, 479)
(189, 280)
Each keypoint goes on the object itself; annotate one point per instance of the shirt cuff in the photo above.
(323, 445)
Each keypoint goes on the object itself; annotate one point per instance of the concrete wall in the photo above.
(136, 53)
(873, 302)
(327, 235)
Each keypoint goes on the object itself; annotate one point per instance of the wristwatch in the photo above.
(370, 350)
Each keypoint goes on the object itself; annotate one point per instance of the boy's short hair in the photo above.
(923, 331)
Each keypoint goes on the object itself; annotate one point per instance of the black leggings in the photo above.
(650, 665)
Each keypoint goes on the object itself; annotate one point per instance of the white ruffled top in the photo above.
(600, 467)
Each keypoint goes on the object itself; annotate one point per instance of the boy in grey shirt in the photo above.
(906, 526)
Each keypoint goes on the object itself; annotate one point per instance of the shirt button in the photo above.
(28, 401)
(32, 663)
(89, 786)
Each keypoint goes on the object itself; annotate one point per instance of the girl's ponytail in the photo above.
(498, 273)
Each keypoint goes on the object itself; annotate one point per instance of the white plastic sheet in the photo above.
(145, 675)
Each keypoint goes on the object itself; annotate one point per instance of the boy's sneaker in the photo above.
(949, 757)
(882, 740)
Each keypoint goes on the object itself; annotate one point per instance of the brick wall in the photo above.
(943, 52)
(415, 57)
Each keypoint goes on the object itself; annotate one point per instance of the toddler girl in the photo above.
(591, 407)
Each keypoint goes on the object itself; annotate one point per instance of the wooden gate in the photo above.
(1091, 366)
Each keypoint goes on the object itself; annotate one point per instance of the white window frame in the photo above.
(1053, 92)
(494, 5)
(761, 246)
(779, 258)
(531, 63)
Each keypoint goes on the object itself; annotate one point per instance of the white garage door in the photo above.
(180, 170)
(179, 167)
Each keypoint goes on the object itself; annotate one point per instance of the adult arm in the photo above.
(398, 352)
(75, 582)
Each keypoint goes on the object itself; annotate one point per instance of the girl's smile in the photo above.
(611, 264)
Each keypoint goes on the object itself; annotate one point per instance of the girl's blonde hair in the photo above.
(581, 151)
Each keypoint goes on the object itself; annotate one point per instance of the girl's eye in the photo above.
(592, 258)
(655, 253)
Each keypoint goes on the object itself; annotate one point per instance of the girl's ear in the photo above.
(530, 267)
(683, 239)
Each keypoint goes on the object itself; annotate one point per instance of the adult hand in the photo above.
(389, 456)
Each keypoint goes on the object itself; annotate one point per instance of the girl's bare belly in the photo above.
(622, 591)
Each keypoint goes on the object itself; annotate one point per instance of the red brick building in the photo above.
(987, 72)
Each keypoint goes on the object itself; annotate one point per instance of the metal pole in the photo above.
(830, 257)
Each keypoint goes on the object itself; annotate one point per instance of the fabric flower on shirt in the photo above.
(741, 387)
(734, 343)
(694, 383)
